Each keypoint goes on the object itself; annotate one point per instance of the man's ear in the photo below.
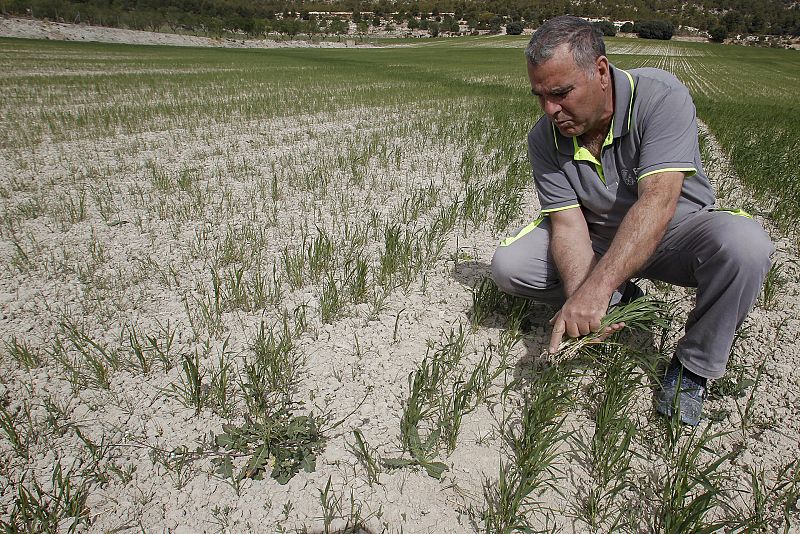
(603, 70)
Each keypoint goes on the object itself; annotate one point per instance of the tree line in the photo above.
(259, 17)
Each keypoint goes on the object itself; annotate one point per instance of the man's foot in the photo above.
(681, 390)
(628, 295)
(631, 293)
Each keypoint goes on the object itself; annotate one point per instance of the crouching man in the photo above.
(616, 164)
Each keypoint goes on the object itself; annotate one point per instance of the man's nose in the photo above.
(549, 107)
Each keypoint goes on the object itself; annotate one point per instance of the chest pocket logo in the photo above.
(628, 177)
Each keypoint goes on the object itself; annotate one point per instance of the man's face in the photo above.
(575, 102)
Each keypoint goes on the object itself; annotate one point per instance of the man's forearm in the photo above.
(573, 255)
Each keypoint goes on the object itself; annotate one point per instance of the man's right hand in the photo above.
(581, 315)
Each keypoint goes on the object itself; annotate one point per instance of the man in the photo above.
(617, 168)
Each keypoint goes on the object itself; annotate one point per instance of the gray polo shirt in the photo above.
(653, 130)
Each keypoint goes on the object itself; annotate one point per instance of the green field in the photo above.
(247, 290)
(745, 95)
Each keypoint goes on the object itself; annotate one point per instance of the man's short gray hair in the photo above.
(583, 38)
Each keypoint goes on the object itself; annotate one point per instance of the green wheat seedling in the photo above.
(142, 360)
(320, 255)
(205, 313)
(486, 299)
(96, 469)
(57, 419)
(155, 347)
(99, 360)
(464, 396)
(293, 262)
(608, 452)
(248, 291)
(70, 365)
(333, 507)
(332, 300)
(70, 209)
(192, 391)
(774, 285)
(746, 411)
(23, 353)
(355, 283)
(366, 456)
(399, 260)
(692, 486)
(220, 387)
(771, 502)
(439, 397)
(36, 509)
(534, 438)
(271, 373)
(508, 204)
(644, 313)
(20, 441)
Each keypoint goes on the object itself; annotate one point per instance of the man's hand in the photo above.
(581, 315)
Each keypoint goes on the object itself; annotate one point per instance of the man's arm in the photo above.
(571, 248)
(637, 238)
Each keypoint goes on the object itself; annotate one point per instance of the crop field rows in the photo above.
(253, 295)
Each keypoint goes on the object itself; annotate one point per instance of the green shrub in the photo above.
(655, 29)
(606, 27)
(514, 28)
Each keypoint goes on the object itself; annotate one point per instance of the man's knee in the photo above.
(518, 273)
(506, 266)
(745, 244)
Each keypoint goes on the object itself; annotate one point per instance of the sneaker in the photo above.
(631, 293)
(628, 295)
(684, 390)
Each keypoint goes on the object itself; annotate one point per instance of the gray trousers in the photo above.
(725, 256)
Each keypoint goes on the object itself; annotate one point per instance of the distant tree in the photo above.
(718, 33)
(626, 28)
(733, 21)
(413, 24)
(655, 29)
(337, 26)
(433, 28)
(495, 27)
(606, 27)
(514, 28)
(362, 27)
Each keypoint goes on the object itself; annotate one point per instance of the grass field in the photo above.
(246, 290)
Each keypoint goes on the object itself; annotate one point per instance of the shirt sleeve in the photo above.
(554, 190)
(669, 132)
